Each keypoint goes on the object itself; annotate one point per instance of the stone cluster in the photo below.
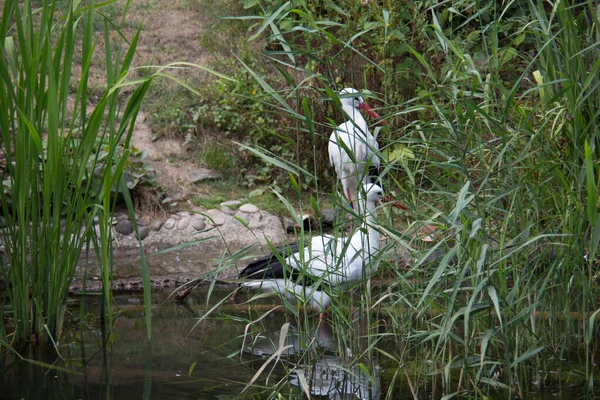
(234, 225)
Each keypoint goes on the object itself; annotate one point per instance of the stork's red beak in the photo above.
(365, 107)
(397, 204)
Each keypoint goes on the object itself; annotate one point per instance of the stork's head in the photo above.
(374, 192)
(350, 97)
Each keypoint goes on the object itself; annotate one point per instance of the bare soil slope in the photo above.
(171, 33)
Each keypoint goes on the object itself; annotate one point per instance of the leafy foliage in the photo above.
(491, 109)
(236, 107)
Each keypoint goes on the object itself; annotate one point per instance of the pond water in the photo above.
(213, 359)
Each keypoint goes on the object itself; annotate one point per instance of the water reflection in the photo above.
(314, 366)
(331, 377)
(182, 361)
(187, 360)
(320, 336)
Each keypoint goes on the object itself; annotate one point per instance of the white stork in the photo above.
(325, 263)
(352, 148)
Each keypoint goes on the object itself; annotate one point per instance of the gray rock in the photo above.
(142, 222)
(288, 224)
(218, 217)
(143, 232)
(231, 235)
(183, 223)
(124, 227)
(237, 223)
(157, 225)
(249, 208)
(218, 221)
(243, 216)
(120, 216)
(269, 227)
(231, 203)
(198, 224)
(227, 210)
(183, 214)
(327, 216)
(202, 174)
(170, 223)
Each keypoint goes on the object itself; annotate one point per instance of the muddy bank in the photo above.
(167, 270)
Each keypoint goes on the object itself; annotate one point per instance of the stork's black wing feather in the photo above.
(269, 267)
(374, 173)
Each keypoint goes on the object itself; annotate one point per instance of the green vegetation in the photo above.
(228, 189)
(493, 137)
(218, 157)
(65, 153)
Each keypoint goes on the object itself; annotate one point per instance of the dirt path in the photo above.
(170, 175)
(172, 32)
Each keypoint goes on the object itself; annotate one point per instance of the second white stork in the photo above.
(325, 263)
(352, 148)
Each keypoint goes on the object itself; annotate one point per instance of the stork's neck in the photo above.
(357, 117)
(371, 242)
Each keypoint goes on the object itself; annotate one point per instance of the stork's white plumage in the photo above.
(325, 261)
(352, 148)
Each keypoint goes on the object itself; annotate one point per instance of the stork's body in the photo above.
(352, 148)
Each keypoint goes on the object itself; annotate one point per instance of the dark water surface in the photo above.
(191, 360)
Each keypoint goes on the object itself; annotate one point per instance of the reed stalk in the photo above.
(64, 156)
(496, 146)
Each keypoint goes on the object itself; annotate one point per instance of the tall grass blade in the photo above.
(64, 162)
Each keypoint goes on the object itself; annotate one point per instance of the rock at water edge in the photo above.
(183, 223)
(248, 208)
(143, 232)
(170, 223)
(124, 227)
